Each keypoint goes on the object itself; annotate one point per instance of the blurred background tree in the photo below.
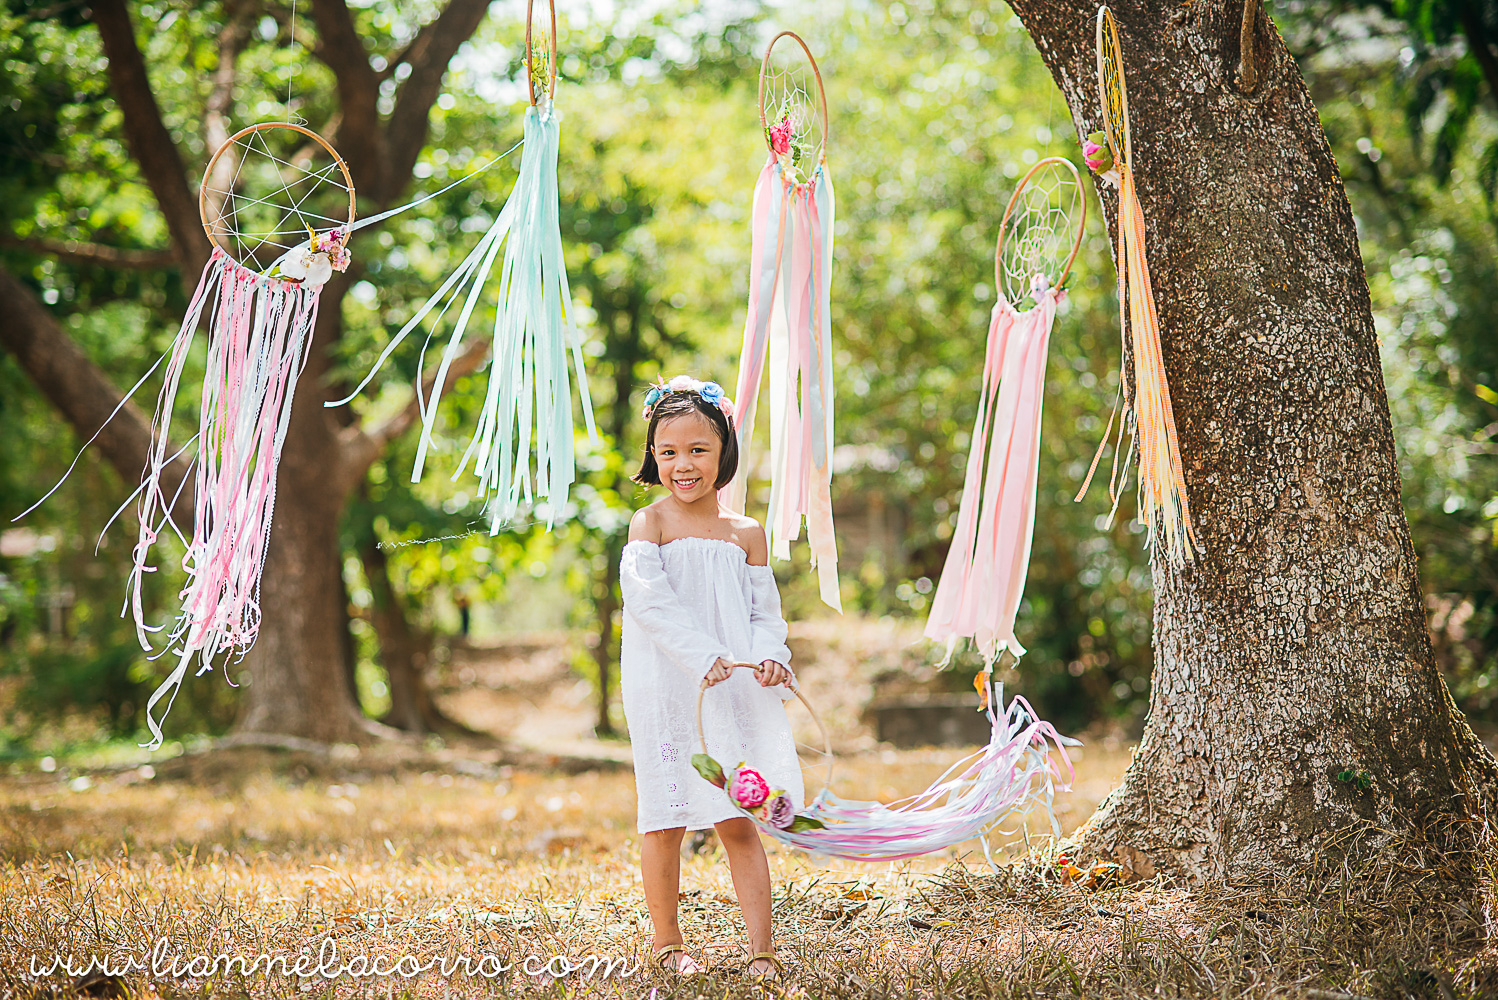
(936, 111)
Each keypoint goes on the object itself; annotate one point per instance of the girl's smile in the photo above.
(687, 452)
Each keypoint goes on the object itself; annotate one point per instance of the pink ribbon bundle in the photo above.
(259, 334)
(788, 319)
(980, 588)
(1014, 773)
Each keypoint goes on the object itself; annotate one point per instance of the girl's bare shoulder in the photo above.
(645, 525)
(749, 535)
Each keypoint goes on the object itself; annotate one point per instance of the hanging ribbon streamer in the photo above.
(983, 580)
(259, 339)
(259, 335)
(1163, 502)
(789, 319)
(789, 294)
(528, 389)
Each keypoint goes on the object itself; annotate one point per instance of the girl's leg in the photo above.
(751, 880)
(660, 870)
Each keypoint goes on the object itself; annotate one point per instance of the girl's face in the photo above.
(687, 451)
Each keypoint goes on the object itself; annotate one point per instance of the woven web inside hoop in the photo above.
(1111, 87)
(788, 84)
(265, 190)
(1041, 231)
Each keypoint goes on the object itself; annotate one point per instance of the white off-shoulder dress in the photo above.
(686, 603)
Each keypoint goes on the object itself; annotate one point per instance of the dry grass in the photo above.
(254, 851)
(429, 854)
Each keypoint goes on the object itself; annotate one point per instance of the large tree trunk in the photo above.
(298, 679)
(1295, 648)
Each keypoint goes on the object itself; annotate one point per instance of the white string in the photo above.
(1041, 231)
(291, 68)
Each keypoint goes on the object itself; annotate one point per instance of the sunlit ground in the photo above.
(428, 854)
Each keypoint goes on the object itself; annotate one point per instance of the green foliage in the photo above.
(936, 111)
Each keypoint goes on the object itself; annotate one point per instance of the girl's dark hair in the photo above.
(678, 404)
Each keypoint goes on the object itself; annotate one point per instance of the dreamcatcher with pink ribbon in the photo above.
(979, 592)
(788, 329)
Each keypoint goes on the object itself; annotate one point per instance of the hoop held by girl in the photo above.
(699, 601)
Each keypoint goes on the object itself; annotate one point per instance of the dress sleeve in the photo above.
(766, 624)
(654, 606)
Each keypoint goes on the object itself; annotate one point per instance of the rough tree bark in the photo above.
(1296, 647)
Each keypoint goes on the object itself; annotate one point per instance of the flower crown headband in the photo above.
(710, 391)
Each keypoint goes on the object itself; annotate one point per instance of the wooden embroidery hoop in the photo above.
(822, 729)
(764, 68)
(530, 84)
(1112, 89)
(1060, 164)
(214, 227)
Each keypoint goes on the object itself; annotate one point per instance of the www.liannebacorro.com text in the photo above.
(327, 964)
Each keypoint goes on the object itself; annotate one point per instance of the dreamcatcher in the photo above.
(1162, 481)
(790, 283)
(979, 592)
(1010, 775)
(278, 203)
(528, 391)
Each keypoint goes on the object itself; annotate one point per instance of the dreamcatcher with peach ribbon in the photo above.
(1163, 503)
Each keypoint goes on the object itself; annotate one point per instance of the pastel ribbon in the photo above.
(1015, 772)
(527, 408)
(978, 594)
(1163, 503)
(790, 324)
(259, 335)
(1162, 479)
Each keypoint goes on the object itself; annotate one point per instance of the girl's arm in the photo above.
(654, 606)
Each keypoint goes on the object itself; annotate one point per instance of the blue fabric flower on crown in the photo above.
(711, 392)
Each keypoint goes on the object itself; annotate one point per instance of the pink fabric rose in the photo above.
(748, 788)
(780, 136)
(1095, 152)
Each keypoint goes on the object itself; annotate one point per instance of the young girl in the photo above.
(700, 600)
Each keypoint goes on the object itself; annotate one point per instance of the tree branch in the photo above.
(360, 140)
(1248, 69)
(1477, 44)
(82, 393)
(150, 144)
(428, 55)
(231, 42)
(363, 446)
(78, 251)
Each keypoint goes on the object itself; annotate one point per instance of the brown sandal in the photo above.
(774, 974)
(665, 951)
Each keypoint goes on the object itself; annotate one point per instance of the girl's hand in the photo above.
(720, 672)
(771, 673)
